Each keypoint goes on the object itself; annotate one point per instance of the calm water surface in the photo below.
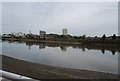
(62, 56)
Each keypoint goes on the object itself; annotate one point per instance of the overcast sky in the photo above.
(79, 18)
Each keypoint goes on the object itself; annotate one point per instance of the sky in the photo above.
(89, 18)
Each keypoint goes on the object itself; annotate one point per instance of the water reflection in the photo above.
(113, 52)
(112, 49)
(42, 46)
(29, 45)
(63, 48)
(83, 49)
(103, 51)
(89, 57)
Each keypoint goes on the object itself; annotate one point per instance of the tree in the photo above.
(104, 37)
(84, 36)
(76, 37)
(4, 34)
(114, 37)
(62, 36)
(96, 37)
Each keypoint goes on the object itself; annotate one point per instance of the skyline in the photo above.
(91, 19)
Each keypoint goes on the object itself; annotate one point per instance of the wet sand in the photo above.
(41, 71)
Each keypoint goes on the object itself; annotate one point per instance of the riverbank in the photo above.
(42, 41)
(112, 48)
(69, 42)
(41, 71)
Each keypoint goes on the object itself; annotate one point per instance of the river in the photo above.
(63, 56)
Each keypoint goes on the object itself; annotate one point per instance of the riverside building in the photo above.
(64, 31)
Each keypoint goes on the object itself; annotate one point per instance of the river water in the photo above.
(62, 56)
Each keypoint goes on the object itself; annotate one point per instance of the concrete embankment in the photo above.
(41, 71)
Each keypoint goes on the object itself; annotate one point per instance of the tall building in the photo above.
(30, 32)
(64, 31)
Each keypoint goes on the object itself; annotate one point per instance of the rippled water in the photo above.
(62, 56)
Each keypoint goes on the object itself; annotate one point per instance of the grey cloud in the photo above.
(79, 18)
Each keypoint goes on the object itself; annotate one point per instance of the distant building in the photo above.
(41, 33)
(17, 34)
(30, 32)
(20, 34)
(51, 36)
(64, 31)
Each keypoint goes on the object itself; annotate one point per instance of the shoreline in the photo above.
(41, 71)
(112, 48)
(42, 41)
(58, 42)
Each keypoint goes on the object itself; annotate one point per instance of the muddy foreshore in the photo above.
(41, 71)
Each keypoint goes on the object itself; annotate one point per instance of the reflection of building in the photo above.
(41, 46)
(64, 31)
(63, 48)
(29, 45)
